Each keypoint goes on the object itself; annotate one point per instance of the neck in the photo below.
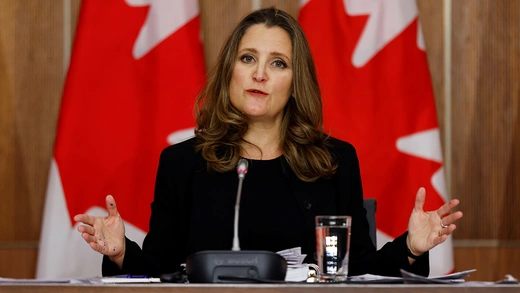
(262, 143)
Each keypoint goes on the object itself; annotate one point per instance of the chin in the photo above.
(255, 113)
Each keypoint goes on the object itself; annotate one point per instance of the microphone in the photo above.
(214, 266)
(242, 171)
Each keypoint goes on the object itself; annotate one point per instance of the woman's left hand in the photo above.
(429, 229)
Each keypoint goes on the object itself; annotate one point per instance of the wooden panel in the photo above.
(290, 6)
(7, 121)
(485, 103)
(218, 18)
(74, 14)
(18, 262)
(431, 16)
(38, 79)
(492, 263)
(70, 21)
(31, 81)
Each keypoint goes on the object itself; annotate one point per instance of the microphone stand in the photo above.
(242, 171)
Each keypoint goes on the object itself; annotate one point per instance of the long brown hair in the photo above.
(221, 127)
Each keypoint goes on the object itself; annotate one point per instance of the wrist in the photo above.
(118, 259)
(411, 255)
(410, 252)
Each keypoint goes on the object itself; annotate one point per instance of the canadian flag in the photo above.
(377, 94)
(136, 69)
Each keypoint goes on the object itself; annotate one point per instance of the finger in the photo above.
(450, 229)
(111, 206)
(453, 203)
(440, 239)
(87, 229)
(85, 219)
(97, 247)
(95, 241)
(443, 233)
(451, 218)
(420, 198)
(89, 238)
(445, 208)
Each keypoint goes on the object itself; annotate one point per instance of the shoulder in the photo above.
(344, 153)
(184, 151)
(340, 147)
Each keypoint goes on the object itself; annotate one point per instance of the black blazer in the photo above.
(187, 216)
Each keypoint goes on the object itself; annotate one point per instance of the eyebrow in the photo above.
(274, 53)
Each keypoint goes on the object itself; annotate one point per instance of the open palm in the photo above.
(105, 235)
(429, 229)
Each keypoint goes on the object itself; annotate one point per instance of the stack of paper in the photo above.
(296, 269)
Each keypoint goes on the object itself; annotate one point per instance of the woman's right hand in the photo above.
(105, 235)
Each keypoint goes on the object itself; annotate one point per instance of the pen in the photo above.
(132, 276)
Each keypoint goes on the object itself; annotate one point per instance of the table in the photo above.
(469, 287)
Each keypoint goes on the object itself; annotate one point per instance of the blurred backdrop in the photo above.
(473, 52)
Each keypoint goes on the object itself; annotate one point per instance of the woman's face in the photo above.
(262, 74)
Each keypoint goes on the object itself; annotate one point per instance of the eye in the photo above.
(279, 64)
(247, 58)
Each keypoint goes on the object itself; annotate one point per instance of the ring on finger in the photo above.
(440, 233)
(443, 226)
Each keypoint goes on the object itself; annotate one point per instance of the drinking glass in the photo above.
(332, 246)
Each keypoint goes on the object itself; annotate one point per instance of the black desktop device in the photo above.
(222, 266)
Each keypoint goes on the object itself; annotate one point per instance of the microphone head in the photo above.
(242, 168)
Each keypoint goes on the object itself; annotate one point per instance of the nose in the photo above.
(260, 74)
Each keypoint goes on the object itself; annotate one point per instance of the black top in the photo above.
(193, 210)
(270, 218)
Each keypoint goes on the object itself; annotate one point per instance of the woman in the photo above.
(262, 103)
